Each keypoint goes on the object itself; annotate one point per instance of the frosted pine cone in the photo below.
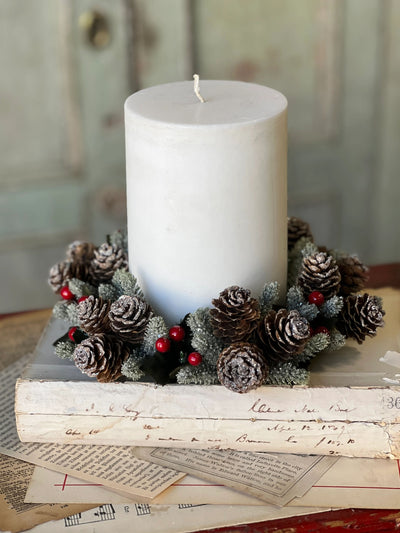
(354, 275)
(107, 259)
(61, 273)
(129, 316)
(241, 367)
(80, 251)
(360, 316)
(320, 273)
(283, 334)
(297, 229)
(101, 357)
(236, 314)
(93, 315)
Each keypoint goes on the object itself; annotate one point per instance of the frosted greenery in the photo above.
(337, 340)
(287, 374)
(197, 375)
(65, 349)
(108, 292)
(332, 307)
(66, 311)
(131, 368)
(80, 288)
(269, 297)
(119, 238)
(203, 339)
(156, 328)
(295, 300)
(72, 314)
(126, 283)
(314, 345)
(60, 310)
(310, 248)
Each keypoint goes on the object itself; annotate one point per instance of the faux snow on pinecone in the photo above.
(61, 273)
(236, 314)
(283, 334)
(107, 259)
(93, 315)
(361, 315)
(353, 274)
(101, 356)
(80, 251)
(320, 273)
(129, 317)
(241, 367)
(297, 229)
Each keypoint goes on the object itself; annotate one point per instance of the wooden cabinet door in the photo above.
(62, 164)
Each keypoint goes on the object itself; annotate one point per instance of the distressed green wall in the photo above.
(62, 169)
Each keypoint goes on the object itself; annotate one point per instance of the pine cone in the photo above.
(354, 275)
(129, 316)
(101, 356)
(107, 259)
(80, 251)
(241, 367)
(297, 229)
(236, 314)
(320, 273)
(93, 315)
(360, 316)
(61, 273)
(283, 334)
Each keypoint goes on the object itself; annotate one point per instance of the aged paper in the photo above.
(273, 478)
(358, 483)
(146, 518)
(15, 515)
(113, 465)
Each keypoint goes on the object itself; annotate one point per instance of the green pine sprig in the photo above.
(203, 338)
(287, 374)
(269, 297)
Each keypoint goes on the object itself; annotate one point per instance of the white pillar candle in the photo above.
(206, 191)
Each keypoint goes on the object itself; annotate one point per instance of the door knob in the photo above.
(96, 29)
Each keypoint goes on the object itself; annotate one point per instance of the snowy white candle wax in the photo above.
(206, 191)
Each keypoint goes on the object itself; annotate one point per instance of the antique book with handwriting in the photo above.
(351, 406)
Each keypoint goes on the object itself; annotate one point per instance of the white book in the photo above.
(351, 406)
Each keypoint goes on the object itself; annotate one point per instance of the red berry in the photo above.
(194, 358)
(177, 333)
(66, 293)
(316, 298)
(163, 345)
(71, 333)
(82, 299)
(321, 329)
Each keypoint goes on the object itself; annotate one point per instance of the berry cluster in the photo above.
(177, 335)
(67, 294)
(317, 298)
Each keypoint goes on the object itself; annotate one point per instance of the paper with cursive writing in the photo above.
(273, 478)
(113, 466)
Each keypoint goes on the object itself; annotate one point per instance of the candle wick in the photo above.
(197, 88)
